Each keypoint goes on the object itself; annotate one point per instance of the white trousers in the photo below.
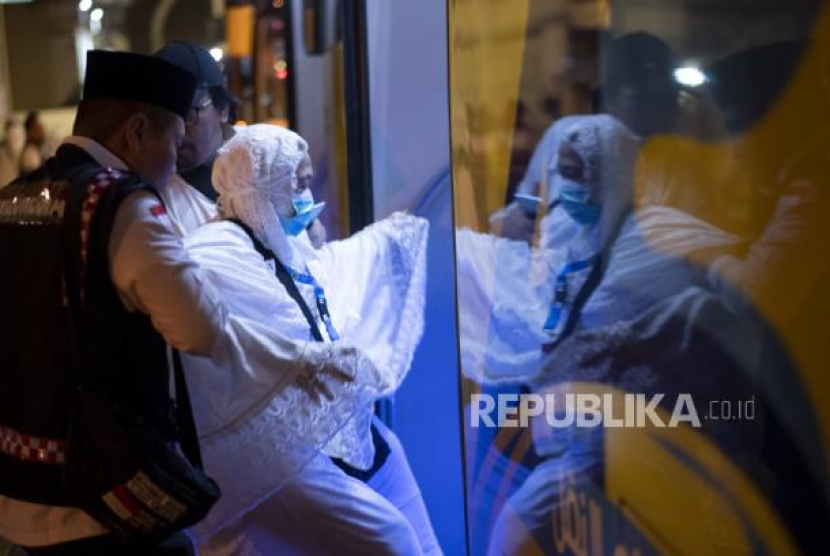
(323, 511)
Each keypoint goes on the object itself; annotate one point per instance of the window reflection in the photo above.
(639, 195)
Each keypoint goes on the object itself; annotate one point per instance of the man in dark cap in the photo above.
(639, 87)
(206, 123)
(190, 196)
(89, 225)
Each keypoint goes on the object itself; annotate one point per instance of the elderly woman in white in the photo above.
(304, 466)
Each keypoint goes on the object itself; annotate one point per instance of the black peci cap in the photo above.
(195, 59)
(138, 78)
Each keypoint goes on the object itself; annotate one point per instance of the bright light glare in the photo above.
(85, 5)
(96, 15)
(217, 53)
(690, 76)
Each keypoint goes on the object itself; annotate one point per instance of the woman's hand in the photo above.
(313, 381)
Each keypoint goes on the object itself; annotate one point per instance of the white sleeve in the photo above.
(380, 302)
(153, 274)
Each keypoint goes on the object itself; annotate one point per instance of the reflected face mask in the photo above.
(305, 211)
(575, 200)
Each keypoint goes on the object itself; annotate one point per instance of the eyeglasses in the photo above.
(193, 114)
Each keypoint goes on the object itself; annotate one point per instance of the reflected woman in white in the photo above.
(304, 466)
(507, 288)
(514, 299)
(638, 271)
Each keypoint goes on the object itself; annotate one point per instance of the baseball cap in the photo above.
(195, 59)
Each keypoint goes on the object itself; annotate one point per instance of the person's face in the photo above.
(202, 132)
(304, 175)
(571, 166)
(646, 111)
(153, 155)
(284, 200)
(577, 195)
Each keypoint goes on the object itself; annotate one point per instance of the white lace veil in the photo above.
(255, 175)
(609, 152)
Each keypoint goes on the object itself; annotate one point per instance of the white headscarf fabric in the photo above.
(609, 151)
(255, 175)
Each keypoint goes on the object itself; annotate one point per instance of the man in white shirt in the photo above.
(126, 123)
(190, 196)
(140, 291)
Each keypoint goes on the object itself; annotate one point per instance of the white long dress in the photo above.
(257, 426)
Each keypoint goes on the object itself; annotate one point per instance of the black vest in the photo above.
(44, 352)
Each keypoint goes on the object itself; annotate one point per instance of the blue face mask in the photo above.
(575, 200)
(304, 201)
(305, 211)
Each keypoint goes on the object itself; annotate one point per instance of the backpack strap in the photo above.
(591, 283)
(284, 278)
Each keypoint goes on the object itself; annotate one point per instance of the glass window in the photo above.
(642, 272)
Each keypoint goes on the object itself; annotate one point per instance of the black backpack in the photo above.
(99, 453)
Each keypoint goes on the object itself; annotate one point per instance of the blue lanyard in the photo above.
(560, 295)
(319, 295)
